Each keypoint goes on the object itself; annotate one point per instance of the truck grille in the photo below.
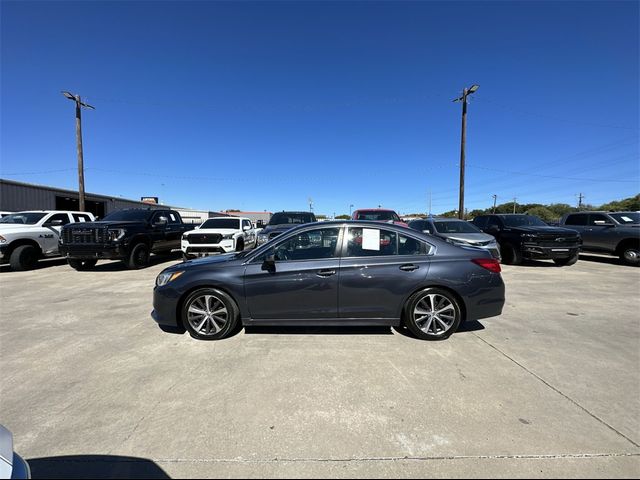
(556, 241)
(204, 238)
(84, 236)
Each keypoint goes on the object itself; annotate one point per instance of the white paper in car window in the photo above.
(626, 219)
(370, 239)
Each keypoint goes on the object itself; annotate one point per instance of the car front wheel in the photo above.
(209, 314)
(432, 314)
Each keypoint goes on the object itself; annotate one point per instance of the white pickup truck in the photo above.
(219, 235)
(26, 237)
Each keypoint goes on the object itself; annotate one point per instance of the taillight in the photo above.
(490, 264)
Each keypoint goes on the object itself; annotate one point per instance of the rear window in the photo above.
(377, 215)
(284, 218)
(455, 226)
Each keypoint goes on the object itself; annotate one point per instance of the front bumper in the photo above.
(548, 253)
(165, 306)
(107, 252)
(200, 250)
(4, 248)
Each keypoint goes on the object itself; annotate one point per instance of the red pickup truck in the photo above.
(378, 215)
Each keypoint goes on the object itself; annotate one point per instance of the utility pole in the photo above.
(495, 199)
(429, 202)
(514, 204)
(350, 207)
(580, 197)
(310, 204)
(79, 105)
(465, 93)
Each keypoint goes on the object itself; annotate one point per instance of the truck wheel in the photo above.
(240, 245)
(82, 265)
(630, 254)
(510, 254)
(138, 257)
(565, 262)
(24, 257)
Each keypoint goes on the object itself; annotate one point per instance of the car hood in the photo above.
(469, 237)
(105, 223)
(221, 260)
(221, 231)
(544, 229)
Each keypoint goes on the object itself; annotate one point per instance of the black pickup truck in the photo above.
(526, 236)
(129, 235)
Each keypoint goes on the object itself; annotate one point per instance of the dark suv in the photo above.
(615, 233)
(526, 236)
(281, 222)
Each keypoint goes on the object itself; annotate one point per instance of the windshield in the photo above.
(25, 218)
(452, 226)
(626, 218)
(128, 215)
(285, 218)
(222, 223)
(523, 221)
(377, 215)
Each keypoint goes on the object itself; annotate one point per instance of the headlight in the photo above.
(116, 234)
(227, 237)
(2, 239)
(165, 278)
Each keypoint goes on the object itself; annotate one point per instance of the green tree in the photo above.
(544, 213)
(343, 217)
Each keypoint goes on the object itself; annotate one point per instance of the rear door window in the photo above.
(371, 242)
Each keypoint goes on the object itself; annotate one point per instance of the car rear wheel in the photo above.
(432, 314)
(82, 265)
(138, 257)
(631, 255)
(24, 257)
(209, 314)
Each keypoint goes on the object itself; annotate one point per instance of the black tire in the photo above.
(510, 254)
(431, 332)
(138, 257)
(240, 245)
(565, 262)
(219, 301)
(630, 254)
(82, 265)
(24, 257)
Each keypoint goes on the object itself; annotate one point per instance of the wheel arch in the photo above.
(21, 242)
(625, 242)
(456, 295)
(192, 289)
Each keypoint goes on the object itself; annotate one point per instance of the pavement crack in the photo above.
(558, 391)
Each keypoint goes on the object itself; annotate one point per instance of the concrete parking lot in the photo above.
(92, 387)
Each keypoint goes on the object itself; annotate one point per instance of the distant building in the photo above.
(259, 219)
(19, 196)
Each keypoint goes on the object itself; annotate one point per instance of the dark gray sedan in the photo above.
(334, 273)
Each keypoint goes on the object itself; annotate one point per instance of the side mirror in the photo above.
(493, 229)
(428, 232)
(269, 264)
(161, 221)
(55, 223)
(246, 227)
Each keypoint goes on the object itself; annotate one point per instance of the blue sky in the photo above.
(260, 106)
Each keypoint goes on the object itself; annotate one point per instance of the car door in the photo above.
(578, 222)
(159, 231)
(173, 232)
(599, 232)
(304, 283)
(249, 234)
(378, 270)
(53, 226)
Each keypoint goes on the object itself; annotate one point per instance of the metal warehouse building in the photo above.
(18, 196)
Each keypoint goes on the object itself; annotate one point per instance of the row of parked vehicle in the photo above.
(133, 235)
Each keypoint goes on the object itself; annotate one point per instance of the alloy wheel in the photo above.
(207, 314)
(434, 314)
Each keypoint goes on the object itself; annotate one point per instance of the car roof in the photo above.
(49, 211)
(374, 210)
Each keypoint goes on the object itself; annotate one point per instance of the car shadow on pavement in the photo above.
(603, 259)
(119, 266)
(319, 330)
(95, 466)
(470, 326)
(46, 263)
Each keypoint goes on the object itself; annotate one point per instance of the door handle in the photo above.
(325, 273)
(409, 267)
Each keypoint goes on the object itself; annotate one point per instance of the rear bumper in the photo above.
(93, 252)
(487, 301)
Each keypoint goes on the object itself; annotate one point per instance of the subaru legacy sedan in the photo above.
(334, 273)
